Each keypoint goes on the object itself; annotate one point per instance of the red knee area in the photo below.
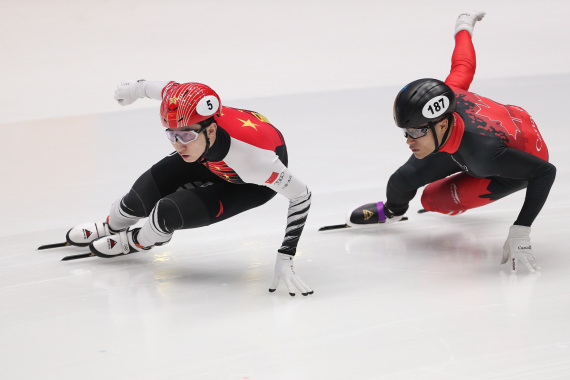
(455, 194)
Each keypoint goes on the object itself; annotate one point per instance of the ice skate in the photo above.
(119, 244)
(85, 233)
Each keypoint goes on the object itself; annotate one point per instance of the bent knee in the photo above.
(172, 213)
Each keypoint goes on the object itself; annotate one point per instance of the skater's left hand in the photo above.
(518, 249)
(284, 270)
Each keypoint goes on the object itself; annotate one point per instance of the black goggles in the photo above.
(415, 133)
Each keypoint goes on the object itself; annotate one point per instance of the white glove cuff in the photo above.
(517, 231)
(153, 89)
(284, 256)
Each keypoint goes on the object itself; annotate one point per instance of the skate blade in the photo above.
(80, 256)
(342, 226)
(54, 245)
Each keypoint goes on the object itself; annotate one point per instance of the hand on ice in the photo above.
(466, 21)
(517, 248)
(129, 91)
(284, 270)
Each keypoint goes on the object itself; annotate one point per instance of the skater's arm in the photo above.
(516, 164)
(263, 167)
(284, 182)
(415, 173)
(127, 92)
(540, 174)
(299, 204)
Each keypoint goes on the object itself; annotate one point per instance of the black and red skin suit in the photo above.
(493, 150)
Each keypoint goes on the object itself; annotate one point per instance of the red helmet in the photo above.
(188, 103)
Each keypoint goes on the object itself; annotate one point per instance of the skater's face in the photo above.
(191, 151)
(421, 147)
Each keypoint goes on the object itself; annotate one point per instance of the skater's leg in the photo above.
(199, 207)
(461, 192)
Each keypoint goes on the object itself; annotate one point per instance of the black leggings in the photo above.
(188, 195)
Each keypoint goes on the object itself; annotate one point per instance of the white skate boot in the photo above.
(119, 244)
(84, 234)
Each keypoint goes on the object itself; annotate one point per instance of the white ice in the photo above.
(425, 298)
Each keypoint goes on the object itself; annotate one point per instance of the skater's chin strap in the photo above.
(432, 125)
(202, 158)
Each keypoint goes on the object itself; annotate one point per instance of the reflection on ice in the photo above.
(424, 298)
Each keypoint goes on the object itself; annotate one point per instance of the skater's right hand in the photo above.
(129, 91)
(466, 21)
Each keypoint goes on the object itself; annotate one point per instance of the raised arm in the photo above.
(127, 92)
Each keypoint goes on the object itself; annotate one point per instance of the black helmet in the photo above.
(423, 101)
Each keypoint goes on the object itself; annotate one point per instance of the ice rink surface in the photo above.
(421, 299)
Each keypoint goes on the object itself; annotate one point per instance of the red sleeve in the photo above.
(463, 62)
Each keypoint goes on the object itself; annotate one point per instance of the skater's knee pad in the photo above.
(142, 197)
(456, 194)
(133, 205)
(180, 210)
